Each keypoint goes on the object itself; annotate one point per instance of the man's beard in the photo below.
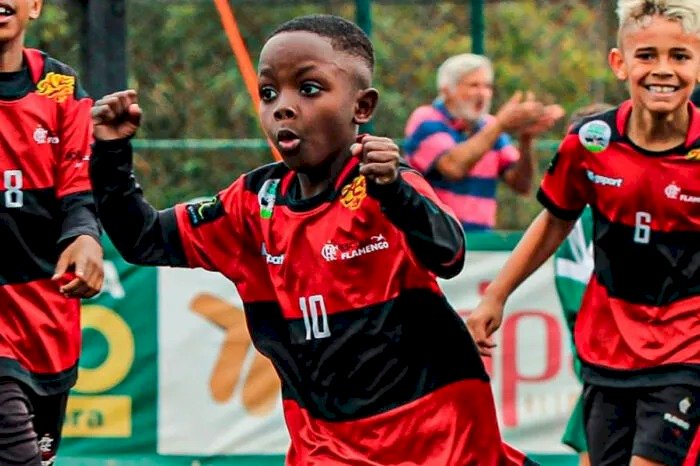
(465, 112)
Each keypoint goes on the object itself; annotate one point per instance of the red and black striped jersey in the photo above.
(640, 318)
(45, 201)
(340, 292)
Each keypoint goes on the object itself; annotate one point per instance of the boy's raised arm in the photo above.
(141, 234)
(434, 236)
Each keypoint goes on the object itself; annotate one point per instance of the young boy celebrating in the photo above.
(48, 227)
(638, 331)
(335, 254)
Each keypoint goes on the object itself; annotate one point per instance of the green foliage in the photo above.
(190, 85)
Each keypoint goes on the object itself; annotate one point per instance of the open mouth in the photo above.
(287, 140)
(661, 89)
(6, 10)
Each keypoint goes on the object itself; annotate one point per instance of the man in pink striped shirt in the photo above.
(463, 151)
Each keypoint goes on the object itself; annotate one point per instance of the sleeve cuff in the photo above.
(564, 214)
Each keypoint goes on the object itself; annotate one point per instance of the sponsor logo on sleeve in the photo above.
(205, 211)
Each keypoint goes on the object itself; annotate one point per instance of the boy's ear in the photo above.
(617, 63)
(35, 9)
(365, 104)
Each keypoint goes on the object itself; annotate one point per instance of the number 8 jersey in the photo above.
(639, 323)
(45, 200)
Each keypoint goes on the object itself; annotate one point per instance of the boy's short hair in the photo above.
(452, 70)
(639, 12)
(345, 36)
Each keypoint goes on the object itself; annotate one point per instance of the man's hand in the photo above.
(116, 116)
(380, 159)
(552, 113)
(519, 112)
(483, 322)
(83, 257)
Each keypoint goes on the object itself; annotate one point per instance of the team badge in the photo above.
(266, 198)
(205, 211)
(353, 194)
(693, 155)
(56, 87)
(595, 135)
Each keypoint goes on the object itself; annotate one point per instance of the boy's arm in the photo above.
(564, 194)
(141, 234)
(435, 237)
(79, 237)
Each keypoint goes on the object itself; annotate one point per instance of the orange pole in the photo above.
(245, 64)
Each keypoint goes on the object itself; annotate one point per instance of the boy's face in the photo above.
(660, 62)
(310, 98)
(14, 16)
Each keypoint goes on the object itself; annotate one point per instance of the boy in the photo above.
(334, 253)
(573, 265)
(48, 227)
(638, 329)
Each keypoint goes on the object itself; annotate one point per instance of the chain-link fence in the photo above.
(190, 87)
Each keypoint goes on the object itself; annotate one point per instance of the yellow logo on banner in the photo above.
(354, 193)
(261, 385)
(56, 86)
(97, 415)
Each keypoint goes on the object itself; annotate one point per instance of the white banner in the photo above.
(218, 396)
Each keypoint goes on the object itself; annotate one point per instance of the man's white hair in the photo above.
(640, 12)
(452, 70)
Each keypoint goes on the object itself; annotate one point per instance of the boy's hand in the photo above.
(116, 116)
(379, 159)
(79, 270)
(481, 323)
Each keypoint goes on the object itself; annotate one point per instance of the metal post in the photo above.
(363, 17)
(103, 46)
(477, 24)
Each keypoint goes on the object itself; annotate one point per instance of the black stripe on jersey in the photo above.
(557, 211)
(374, 360)
(657, 273)
(41, 384)
(29, 236)
(658, 376)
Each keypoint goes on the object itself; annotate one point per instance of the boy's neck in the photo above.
(312, 183)
(657, 132)
(11, 56)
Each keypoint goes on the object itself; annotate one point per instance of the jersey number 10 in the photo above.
(14, 197)
(313, 309)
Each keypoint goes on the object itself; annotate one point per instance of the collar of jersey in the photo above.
(290, 183)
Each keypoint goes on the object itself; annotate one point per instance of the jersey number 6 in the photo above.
(642, 227)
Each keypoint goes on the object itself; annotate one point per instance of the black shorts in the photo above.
(656, 423)
(30, 425)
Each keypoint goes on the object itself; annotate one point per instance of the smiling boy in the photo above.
(335, 253)
(638, 330)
